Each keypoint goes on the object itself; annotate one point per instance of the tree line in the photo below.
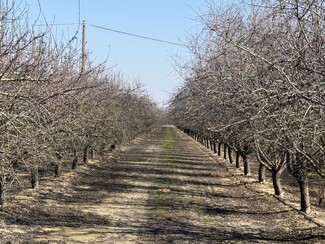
(50, 111)
(256, 83)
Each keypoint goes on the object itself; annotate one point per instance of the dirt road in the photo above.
(162, 188)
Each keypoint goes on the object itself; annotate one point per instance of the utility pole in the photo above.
(83, 48)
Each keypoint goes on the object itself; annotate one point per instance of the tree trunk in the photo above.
(237, 160)
(276, 180)
(91, 153)
(261, 173)
(214, 147)
(86, 155)
(219, 148)
(230, 154)
(34, 178)
(304, 196)
(321, 194)
(58, 169)
(211, 145)
(225, 151)
(2, 194)
(101, 151)
(75, 160)
(299, 171)
(247, 170)
(320, 201)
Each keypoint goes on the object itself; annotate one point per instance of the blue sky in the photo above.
(149, 61)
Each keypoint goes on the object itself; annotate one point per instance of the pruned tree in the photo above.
(50, 112)
(256, 82)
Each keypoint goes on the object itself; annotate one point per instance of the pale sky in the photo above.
(146, 60)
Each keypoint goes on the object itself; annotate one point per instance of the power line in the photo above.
(135, 35)
(116, 31)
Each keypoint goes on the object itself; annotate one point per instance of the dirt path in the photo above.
(161, 189)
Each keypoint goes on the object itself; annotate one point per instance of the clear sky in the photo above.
(149, 61)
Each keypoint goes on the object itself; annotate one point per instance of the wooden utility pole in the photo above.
(83, 50)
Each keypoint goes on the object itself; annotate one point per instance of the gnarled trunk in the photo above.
(276, 180)
(298, 169)
(261, 173)
(304, 196)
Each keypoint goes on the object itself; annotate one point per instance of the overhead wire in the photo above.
(136, 35)
(116, 31)
(103, 28)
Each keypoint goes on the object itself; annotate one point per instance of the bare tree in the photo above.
(49, 111)
(256, 82)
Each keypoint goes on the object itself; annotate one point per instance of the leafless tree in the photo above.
(256, 82)
(49, 111)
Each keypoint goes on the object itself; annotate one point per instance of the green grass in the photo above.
(168, 141)
(164, 198)
(205, 219)
(161, 213)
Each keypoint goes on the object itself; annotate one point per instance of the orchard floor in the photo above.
(162, 188)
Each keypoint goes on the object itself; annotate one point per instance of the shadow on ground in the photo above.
(154, 193)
